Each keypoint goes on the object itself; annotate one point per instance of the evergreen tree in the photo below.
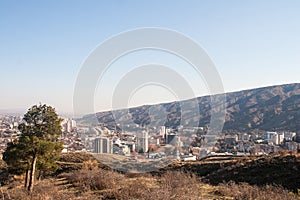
(37, 147)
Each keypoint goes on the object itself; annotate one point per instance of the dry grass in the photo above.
(171, 185)
(246, 191)
(45, 190)
(112, 185)
(108, 184)
(97, 179)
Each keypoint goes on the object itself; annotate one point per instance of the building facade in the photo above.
(142, 142)
(103, 145)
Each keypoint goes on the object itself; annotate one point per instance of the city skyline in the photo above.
(43, 45)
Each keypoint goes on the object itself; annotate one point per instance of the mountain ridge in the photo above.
(267, 108)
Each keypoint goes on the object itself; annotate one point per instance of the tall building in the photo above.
(142, 142)
(68, 125)
(289, 136)
(280, 138)
(172, 139)
(162, 130)
(103, 145)
(271, 137)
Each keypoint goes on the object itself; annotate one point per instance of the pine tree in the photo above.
(37, 147)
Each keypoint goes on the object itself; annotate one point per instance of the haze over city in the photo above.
(44, 44)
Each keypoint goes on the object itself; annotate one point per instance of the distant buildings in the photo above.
(271, 137)
(68, 125)
(231, 139)
(157, 143)
(289, 136)
(244, 137)
(142, 142)
(103, 145)
(291, 146)
(189, 157)
(164, 131)
(278, 138)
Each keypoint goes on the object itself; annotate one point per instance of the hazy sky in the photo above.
(44, 43)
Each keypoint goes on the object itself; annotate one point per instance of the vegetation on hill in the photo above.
(108, 184)
(255, 170)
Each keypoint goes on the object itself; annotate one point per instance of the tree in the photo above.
(17, 159)
(37, 148)
(46, 163)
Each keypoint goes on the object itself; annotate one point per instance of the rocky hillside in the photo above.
(268, 108)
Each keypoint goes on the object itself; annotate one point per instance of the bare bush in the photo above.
(171, 185)
(90, 164)
(97, 179)
(246, 191)
(131, 189)
(180, 185)
(43, 190)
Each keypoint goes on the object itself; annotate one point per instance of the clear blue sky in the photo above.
(43, 43)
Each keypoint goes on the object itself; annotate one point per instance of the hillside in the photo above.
(268, 108)
(255, 170)
(217, 177)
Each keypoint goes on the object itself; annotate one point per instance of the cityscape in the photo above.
(150, 100)
(158, 142)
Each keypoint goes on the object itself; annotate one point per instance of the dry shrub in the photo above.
(44, 190)
(90, 164)
(171, 185)
(107, 184)
(97, 179)
(178, 179)
(246, 191)
(133, 189)
(179, 185)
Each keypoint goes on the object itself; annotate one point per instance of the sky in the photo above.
(43, 45)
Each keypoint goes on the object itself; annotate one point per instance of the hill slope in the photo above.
(268, 108)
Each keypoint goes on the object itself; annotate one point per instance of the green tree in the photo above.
(17, 158)
(46, 163)
(37, 148)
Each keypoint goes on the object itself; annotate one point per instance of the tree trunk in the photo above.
(32, 172)
(27, 177)
(40, 174)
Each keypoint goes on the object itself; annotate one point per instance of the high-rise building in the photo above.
(172, 139)
(103, 145)
(73, 122)
(68, 125)
(142, 142)
(289, 136)
(280, 138)
(162, 130)
(271, 137)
